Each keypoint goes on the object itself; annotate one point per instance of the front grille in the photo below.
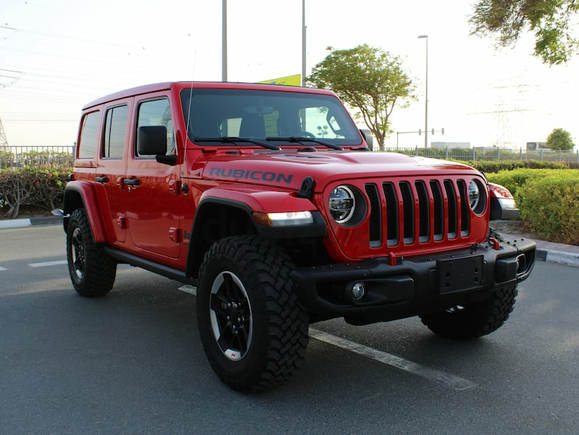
(407, 212)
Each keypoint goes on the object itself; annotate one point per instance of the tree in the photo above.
(560, 139)
(368, 79)
(551, 21)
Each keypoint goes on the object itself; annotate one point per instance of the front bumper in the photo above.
(406, 287)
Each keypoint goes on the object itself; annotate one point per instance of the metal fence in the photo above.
(495, 154)
(35, 156)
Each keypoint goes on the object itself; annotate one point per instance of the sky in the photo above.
(58, 55)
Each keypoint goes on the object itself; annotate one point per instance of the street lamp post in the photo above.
(425, 37)
(224, 40)
(304, 42)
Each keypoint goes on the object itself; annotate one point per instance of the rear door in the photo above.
(112, 165)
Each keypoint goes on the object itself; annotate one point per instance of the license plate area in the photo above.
(460, 274)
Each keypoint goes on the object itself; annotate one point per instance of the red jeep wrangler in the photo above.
(268, 200)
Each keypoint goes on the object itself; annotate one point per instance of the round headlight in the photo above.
(342, 204)
(473, 195)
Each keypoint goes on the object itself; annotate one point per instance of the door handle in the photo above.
(131, 181)
(102, 179)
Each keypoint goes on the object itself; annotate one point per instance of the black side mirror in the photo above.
(152, 140)
(367, 134)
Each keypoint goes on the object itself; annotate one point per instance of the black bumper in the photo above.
(412, 286)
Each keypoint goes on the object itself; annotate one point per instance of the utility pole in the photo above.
(304, 43)
(425, 37)
(224, 41)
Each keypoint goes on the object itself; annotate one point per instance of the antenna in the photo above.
(3, 138)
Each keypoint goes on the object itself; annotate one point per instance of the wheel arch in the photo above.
(215, 219)
(80, 194)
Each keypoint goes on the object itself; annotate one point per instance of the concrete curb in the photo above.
(560, 257)
(22, 223)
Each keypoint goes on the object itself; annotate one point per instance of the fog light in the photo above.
(358, 291)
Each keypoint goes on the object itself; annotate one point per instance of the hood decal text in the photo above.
(242, 174)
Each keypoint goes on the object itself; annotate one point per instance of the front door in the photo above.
(153, 193)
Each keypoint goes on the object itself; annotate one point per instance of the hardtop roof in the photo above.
(157, 87)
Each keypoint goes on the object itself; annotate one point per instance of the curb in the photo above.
(559, 257)
(22, 223)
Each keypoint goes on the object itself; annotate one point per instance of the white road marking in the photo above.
(189, 289)
(2, 268)
(446, 379)
(48, 263)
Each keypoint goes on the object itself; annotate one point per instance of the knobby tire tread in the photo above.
(100, 269)
(475, 320)
(284, 318)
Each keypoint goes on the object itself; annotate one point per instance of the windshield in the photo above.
(212, 114)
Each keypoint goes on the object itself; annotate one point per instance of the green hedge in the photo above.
(41, 187)
(548, 200)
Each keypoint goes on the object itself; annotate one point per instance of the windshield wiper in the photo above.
(233, 139)
(300, 139)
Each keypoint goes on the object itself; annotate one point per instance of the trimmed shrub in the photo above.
(548, 200)
(550, 207)
(36, 186)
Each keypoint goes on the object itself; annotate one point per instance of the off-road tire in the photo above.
(473, 320)
(91, 271)
(253, 328)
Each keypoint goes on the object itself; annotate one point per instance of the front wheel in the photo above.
(91, 271)
(253, 329)
(473, 320)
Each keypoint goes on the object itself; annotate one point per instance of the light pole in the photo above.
(304, 42)
(224, 40)
(425, 37)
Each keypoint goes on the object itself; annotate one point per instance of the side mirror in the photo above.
(367, 134)
(152, 140)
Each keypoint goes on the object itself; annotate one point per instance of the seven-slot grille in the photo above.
(405, 212)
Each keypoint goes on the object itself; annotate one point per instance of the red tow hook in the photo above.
(496, 244)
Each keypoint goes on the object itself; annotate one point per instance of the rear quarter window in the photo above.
(88, 139)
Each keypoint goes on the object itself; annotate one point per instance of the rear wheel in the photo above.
(252, 326)
(473, 320)
(91, 271)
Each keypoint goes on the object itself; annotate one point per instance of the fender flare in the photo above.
(246, 204)
(79, 194)
(503, 205)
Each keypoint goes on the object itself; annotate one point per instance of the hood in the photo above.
(287, 170)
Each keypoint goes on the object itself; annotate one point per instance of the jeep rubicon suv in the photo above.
(268, 200)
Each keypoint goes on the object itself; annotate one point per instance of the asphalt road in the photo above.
(132, 363)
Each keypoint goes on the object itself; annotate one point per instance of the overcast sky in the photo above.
(57, 55)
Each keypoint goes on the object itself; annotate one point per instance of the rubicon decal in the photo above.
(241, 174)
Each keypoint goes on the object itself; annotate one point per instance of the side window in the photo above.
(115, 132)
(89, 136)
(157, 112)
